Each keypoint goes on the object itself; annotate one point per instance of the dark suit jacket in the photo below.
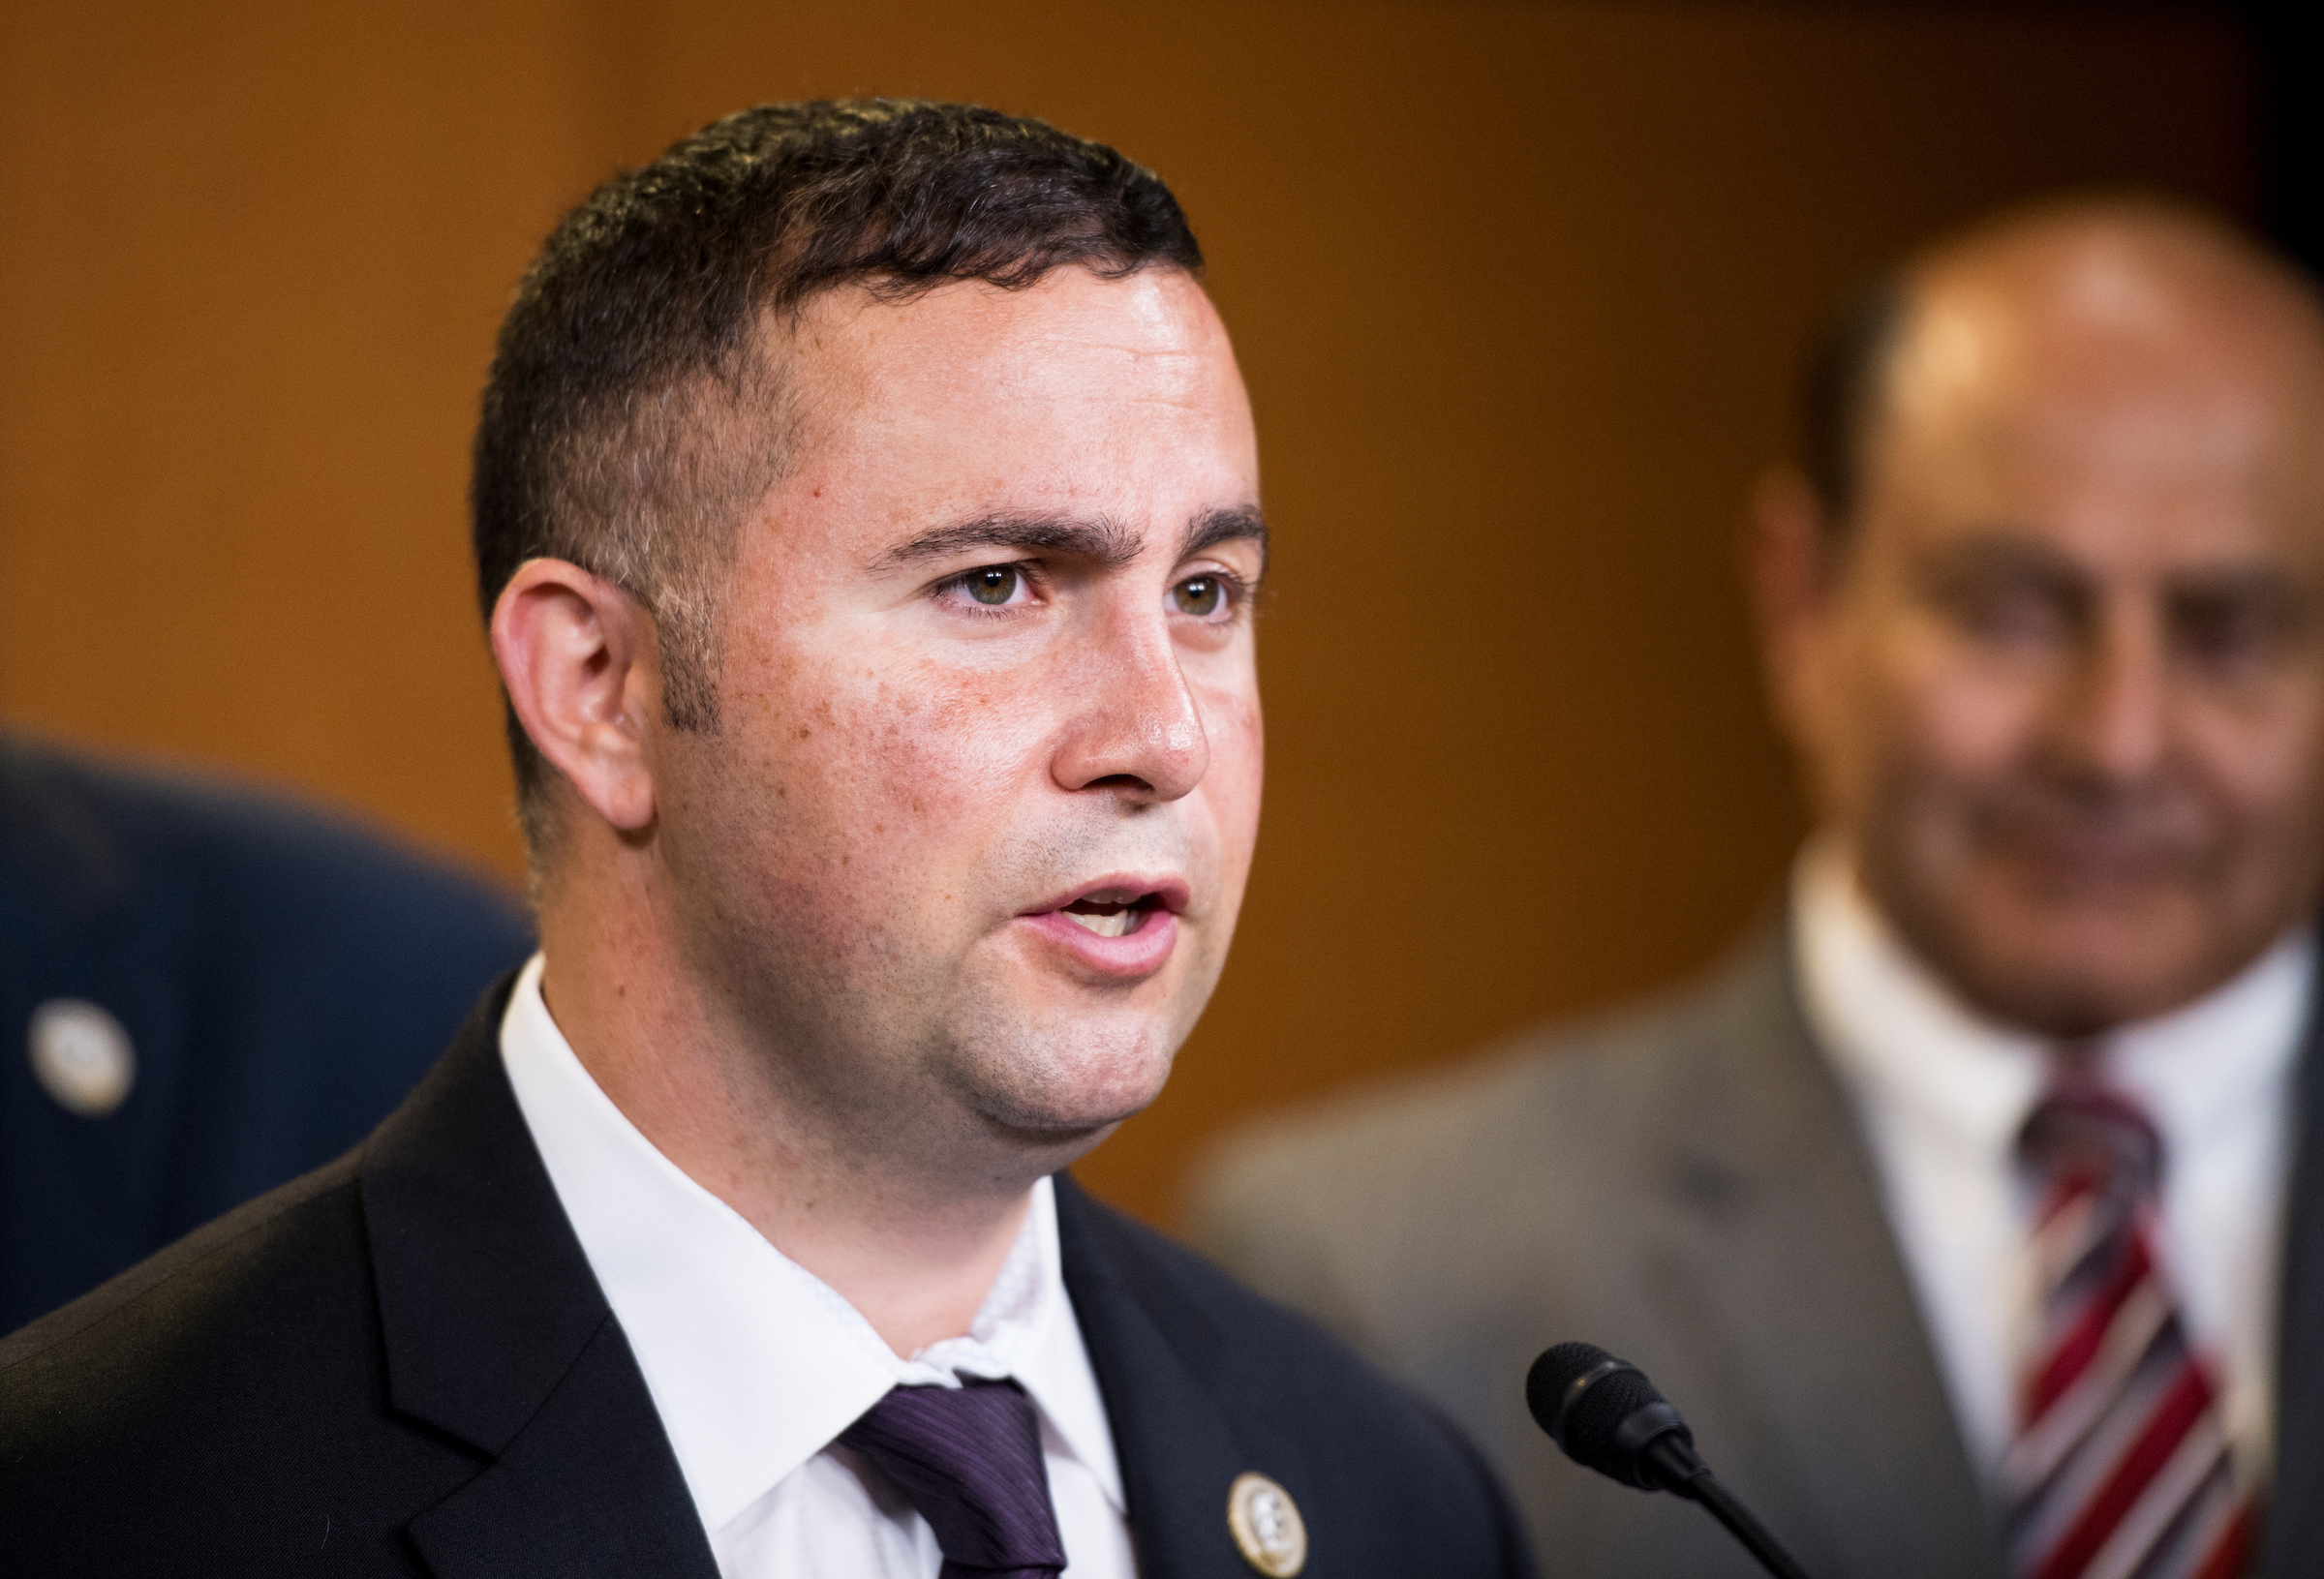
(402, 1364)
(284, 980)
(1685, 1186)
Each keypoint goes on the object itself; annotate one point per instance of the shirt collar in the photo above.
(755, 1363)
(1899, 1036)
(2202, 1067)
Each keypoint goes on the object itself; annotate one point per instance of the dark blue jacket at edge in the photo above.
(285, 978)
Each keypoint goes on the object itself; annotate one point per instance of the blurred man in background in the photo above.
(1972, 1211)
(207, 991)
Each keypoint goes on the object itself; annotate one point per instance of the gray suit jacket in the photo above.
(1685, 1186)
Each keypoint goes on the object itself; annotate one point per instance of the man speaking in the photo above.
(1974, 1215)
(867, 508)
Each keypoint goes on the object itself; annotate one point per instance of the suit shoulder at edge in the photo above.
(180, 823)
(217, 1247)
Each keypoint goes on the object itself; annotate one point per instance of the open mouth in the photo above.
(1112, 912)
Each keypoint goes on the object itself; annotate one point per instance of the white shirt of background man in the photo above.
(1941, 1094)
(756, 1365)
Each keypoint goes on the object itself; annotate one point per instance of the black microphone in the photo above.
(1609, 1418)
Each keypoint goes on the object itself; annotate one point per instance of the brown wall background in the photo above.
(1516, 288)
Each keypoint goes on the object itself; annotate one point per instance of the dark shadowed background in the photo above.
(1516, 288)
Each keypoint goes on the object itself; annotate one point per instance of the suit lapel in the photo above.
(1778, 1249)
(1179, 1451)
(587, 1486)
(2294, 1539)
(496, 1334)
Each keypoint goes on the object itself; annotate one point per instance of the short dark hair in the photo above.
(636, 331)
(1842, 382)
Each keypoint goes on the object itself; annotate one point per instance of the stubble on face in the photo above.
(2079, 750)
(900, 773)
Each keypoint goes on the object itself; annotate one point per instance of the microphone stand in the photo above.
(1684, 1471)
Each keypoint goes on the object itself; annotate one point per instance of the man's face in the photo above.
(969, 844)
(2066, 700)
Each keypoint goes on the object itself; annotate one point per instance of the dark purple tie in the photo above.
(969, 1459)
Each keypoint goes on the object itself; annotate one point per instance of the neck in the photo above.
(914, 1249)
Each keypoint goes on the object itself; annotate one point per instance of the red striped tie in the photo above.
(2120, 1470)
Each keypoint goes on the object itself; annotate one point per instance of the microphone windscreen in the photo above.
(1609, 1418)
(1559, 1367)
(1586, 1426)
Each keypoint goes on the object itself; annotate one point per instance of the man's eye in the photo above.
(2007, 611)
(2227, 634)
(2014, 617)
(995, 584)
(1200, 597)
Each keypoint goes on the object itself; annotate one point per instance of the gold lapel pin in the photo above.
(1266, 1526)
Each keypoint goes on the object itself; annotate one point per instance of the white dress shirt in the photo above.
(756, 1364)
(1941, 1093)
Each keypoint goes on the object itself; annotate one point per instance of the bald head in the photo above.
(2051, 645)
(2091, 285)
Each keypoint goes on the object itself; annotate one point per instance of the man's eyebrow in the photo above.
(1224, 527)
(2001, 553)
(1107, 543)
(2261, 582)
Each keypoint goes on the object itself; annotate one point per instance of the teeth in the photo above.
(1116, 923)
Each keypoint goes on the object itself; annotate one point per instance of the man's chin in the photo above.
(2072, 970)
(1071, 1093)
(1060, 1063)
(1081, 1113)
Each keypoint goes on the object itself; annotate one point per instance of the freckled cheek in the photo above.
(976, 737)
(919, 773)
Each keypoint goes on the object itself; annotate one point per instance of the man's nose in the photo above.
(1135, 725)
(2116, 709)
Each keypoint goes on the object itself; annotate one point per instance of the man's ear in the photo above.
(1789, 569)
(577, 656)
